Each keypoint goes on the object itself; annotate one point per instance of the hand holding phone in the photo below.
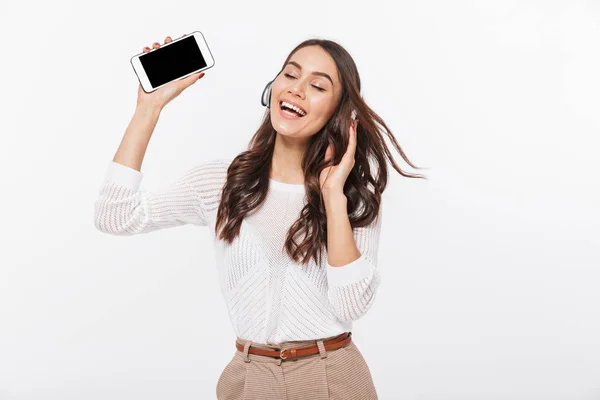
(165, 74)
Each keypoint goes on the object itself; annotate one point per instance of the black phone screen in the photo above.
(178, 59)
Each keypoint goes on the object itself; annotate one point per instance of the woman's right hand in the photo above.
(160, 97)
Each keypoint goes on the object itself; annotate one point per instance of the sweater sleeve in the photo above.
(121, 208)
(352, 287)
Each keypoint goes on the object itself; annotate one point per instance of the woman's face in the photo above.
(310, 81)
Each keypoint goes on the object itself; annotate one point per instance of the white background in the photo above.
(490, 268)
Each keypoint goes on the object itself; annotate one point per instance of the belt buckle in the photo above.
(281, 354)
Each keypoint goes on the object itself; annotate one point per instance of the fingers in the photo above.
(190, 80)
(351, 149)
(156, 45)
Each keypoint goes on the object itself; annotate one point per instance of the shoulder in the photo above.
(207, 179)
(207, 171)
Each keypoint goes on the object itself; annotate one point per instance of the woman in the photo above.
(295, 221)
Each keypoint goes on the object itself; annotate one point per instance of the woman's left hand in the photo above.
(332, 179)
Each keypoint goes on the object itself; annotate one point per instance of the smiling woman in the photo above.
(307, 139)
(309, 112)
(295, 220)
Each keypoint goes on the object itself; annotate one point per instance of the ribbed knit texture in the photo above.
(270, 298)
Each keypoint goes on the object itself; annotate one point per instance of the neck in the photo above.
(286, 164)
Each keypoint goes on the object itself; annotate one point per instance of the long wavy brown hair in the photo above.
(248, 174)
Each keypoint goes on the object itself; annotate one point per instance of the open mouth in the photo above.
(290, 110)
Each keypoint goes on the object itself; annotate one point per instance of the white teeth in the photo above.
(297, 109)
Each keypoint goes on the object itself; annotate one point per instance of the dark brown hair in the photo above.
(248, 174)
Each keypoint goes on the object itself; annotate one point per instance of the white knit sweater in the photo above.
(270, 298)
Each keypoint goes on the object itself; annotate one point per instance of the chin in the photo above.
(285, 127)
(285, 131)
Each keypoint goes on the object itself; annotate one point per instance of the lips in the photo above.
(287, 115)
(294, 104)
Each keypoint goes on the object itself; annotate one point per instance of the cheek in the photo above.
(276, 88)
(320, 109)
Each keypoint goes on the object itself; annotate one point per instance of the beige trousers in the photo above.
(335, 374)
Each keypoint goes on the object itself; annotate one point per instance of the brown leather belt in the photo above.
(332, 344)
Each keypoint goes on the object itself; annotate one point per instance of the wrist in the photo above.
(334, 200)
(148, 108)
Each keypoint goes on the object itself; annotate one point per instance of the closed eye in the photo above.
(316, 87)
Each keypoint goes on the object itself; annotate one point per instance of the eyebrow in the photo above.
(294, 63)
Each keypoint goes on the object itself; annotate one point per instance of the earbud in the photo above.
(267, 101)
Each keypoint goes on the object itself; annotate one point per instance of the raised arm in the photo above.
(123, 209)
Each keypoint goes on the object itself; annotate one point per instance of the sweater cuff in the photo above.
(349, 273)
(123, 175)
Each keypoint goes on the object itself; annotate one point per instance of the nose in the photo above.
(296, 89)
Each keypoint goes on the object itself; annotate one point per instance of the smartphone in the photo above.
(171, 61)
